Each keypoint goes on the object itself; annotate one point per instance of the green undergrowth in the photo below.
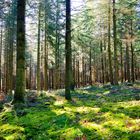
(96, 113)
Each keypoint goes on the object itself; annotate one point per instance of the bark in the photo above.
(56, 78)
(127, 63)
(11, 46)
(132, 64)
(1, 45)
(30, 73)
(46, 54)
(78, 73)
(68, 52)
(105, 61)
(90, 65)
(102, 62)
(115, 45)
(74, 72)
(38, 52)
(109, 47)
(121, 51)
(83, 71)
(132, 56)
(20, 67)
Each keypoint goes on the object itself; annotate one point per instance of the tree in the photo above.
(115, 45)
(132, 53)
(109, 47)
(46, 50)
(20, 67)
(68, 52)
(57, 43)
(1, 45)
(38, 51)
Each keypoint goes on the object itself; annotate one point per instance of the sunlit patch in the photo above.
(13, 131)
(84, 109)
(71, 133)
(59, 112)
(129, 103)
(115, 123)
(60, 102)
(70, 109)
(132, 125)
(121, 115)
(95, 127)
(108, 115)
(106, 92)
(90, 125)
(86, 88)
(6, 127)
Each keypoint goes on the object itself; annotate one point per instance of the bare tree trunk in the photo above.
(68, 51)
(30, 73)
(122, 73)
(46, 53)
(38, 52)
(1, 45)
(128, 63)
(102, 62)
(78, 73)
(109, 47)
(20, 68)
(132, 55)
(90, 65)
(115, 45)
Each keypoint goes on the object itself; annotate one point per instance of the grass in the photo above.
(96, 113)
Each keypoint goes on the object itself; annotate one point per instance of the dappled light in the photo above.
(97, 118)
(69, 69)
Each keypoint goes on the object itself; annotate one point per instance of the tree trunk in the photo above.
(38, 52)
(122, 73)
(115, 45)
(78, 74)
(102, 62)
(68, 52)
(83, 71)
(1, 45)
(20, 68)
(90, 65)
(127, 63)
(132, 55)
(105, 62)
(109, 47)
(56, 78)
(74, 72)
(30, 73)
(46, 53)
(11, 45)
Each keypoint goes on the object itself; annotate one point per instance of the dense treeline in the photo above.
(61, 47)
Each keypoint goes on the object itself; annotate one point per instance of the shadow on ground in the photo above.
(109, 112)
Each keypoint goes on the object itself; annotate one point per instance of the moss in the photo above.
(96, 113)
(71, 133)
(134, 136)
(12, 132)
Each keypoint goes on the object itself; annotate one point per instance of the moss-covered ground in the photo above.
(96, 113)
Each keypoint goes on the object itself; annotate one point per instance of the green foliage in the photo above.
(98, 112)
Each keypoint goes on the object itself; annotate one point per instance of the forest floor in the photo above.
(96, 113)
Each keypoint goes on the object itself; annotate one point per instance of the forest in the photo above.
(69, 70)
